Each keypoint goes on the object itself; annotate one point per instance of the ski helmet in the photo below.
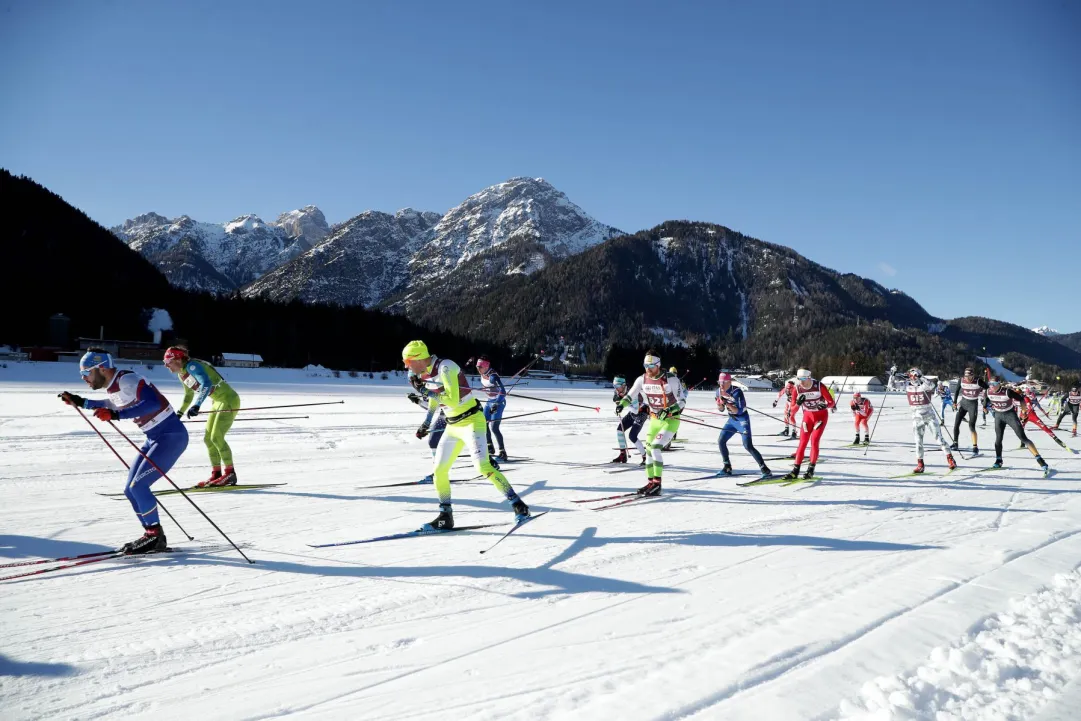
(94, 358)
(174, 353)
(483, 363)
(651, 360)
(415, 350)
(673, 369)
(619, 381)
(722, 377)
(856, 396)
(914, 374)
(803, 374)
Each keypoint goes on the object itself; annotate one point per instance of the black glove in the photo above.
(416, 382)
(179, 414)
(193, 411)
(800, 399)
(413, 397)
(662, 414)
(774, 404)
(422, 431)
(71, 399)
(619, 410)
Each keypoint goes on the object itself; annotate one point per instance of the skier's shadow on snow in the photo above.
(11, 667)
(33, 547)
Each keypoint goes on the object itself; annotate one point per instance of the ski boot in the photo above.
(766, 473)
(494, 460)
(621, 458)
(726, 471)
(228, 478)
(653, 488)
(1024, 446)
(975, 450)
(1048, 471)
(857, 441)
(667, 446)
(953, 446)
(153, 541)
(521, 511)
(810, 472)
(642, 462)
(997, 463)
(784, 432)
(214, 475)
(950, 462)
(867, 441)
(443, 522)
(793, 474)
(502, 455)
(919, 466)
(427, 480)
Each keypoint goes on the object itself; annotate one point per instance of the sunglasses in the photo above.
(651, 365)
(85, 372)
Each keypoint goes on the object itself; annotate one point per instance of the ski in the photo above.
(625, 501)
(514, 528)
(626, 468)
(407, 534)
(205, 489)
(718, 474)
(606, 498)
(910, 475)
(764, 481)
(991, 468)
(801, 479)
(514, 460)
(421, 482)
(109, 555)
(58, 560)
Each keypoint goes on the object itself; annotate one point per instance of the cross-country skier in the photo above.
(131, 396)
(730, 398)
(861, 413)
(1070, 404)
(1002, 398)
(492, 386)
(924, 418)
(663, 393)
(947, 399)
(632, 421)
(449, 389)
(967, 403)
(789, 394)
(816, 401)
(201, 381)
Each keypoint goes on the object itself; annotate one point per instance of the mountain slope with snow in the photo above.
(238, 251)
(358, 264)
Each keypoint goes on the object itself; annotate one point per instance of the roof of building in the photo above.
(254, 357)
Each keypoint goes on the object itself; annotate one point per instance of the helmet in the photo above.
(92, 359)
(174, 353)
(651, 361)
(415, 350)
(619, 381)
(803, 374)
(673, 369)
(856, 396)
(914, 374)
(483, 363)
(722, 377)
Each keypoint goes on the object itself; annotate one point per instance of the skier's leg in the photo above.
(222, 423)
(748, 443)
(636, 430)
(450, 445)
(654, 460)
(624, 423)
(817, 430)
(495, 418)
(722, 441)
(209, 441)
(164, 452)
(472, 432)
(918, 424)
(804, 437)
(957, 418)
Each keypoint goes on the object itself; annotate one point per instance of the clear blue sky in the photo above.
(933, 146)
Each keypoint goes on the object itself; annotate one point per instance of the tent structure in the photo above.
(863, 384)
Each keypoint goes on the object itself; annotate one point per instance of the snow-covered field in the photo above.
(863, 596)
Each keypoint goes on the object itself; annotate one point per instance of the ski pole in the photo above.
(523, 415)
(110, 445)
(845, 381)
(696, 385)
(699, 423)
(767, 415)
(524, 368)
(882, 408)
(546, 400)
(178, 488)
(267, 408)
(261, 418)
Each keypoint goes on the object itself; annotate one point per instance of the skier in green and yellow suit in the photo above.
(448, 387)
(202, 380)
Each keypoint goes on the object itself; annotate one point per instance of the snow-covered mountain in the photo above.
(219, 257)
(307, 223)
(513, 227)
(357, 264)
(1046, 331)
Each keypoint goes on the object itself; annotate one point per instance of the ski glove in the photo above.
(179, 414)
(619, 410)
(106, 414)
(422, 431)
(193, 411)
(413, 397)
(662, 415)
(774, 404)
(72, 400)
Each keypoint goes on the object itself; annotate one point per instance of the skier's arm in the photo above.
(632, 393)
(145, 402)
(739, 400)
(502, 389)
(205, 384)
(831, 402)
(188, 395)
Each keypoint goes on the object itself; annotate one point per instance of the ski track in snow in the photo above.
(802, 602)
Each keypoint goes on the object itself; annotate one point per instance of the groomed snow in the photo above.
(714, 602)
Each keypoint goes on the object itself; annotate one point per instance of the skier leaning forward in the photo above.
(448, 388)
(133, 397)
(861, 413)
(201, 381)
(924, 418)
(1002, 400)
(665, 397)
(967, 403)
(816, 401)
(632, 421)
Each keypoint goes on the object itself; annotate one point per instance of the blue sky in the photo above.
(935, 147)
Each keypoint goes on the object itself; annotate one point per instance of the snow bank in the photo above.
(1008, 667)
(1001, 371)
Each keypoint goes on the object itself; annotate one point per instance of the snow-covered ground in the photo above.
(863, 596)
